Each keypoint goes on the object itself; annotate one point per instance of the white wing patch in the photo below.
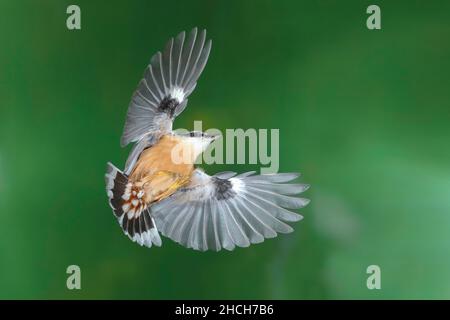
(177, 93)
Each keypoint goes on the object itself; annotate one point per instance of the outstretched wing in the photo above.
(225, 210)
(168, 80)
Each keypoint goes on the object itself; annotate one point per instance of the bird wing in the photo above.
(225, 210)
(168, 80)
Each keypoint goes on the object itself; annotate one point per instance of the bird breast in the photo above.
(164, 156)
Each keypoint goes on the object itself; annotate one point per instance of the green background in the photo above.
(364, 115)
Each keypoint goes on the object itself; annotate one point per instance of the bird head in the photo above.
(193, 144)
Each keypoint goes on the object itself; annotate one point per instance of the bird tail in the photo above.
(130, 209)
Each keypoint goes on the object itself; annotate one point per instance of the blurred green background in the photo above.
(364, 115)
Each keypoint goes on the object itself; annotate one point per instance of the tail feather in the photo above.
(130, 208)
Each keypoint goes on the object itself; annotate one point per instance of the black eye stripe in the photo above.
(197, 134)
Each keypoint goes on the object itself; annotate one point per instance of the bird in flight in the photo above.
(156, 194)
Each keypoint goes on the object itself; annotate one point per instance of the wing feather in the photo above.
(240, 239)
(179, 41)
(167, 67)
(228, 241)
(186, 55)
(250, 231)
(217, 238)
(194, 232)
(196, 53)
(256, 221)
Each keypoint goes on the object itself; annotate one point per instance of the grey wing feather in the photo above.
(168, 80)
(225, 210)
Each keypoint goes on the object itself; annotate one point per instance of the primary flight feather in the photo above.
(155, 193)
